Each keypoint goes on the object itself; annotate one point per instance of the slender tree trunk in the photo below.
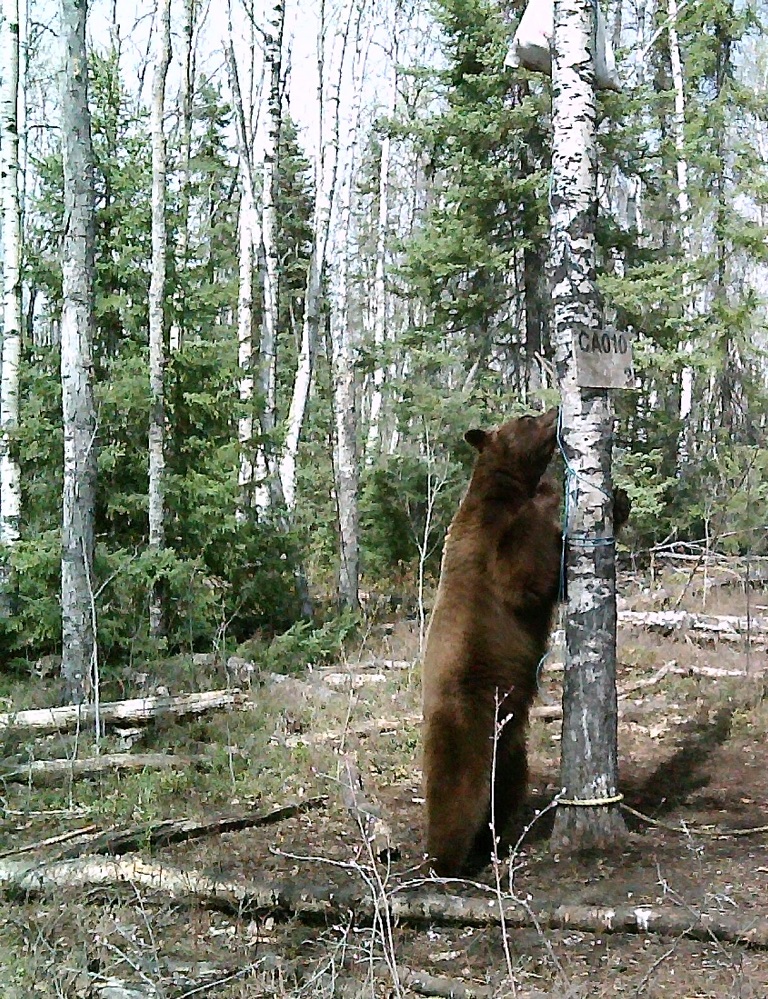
(344, 341)
(157, 315)
(178, 327)
(589, 768)
(245, 349)
(260, 487)
(326, 166)
(79, 418)
(346, 461)
(252, 474)
(10, 485)
(270, 273)
(684, 209)
(380, 296)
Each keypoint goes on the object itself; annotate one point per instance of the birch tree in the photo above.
(156, 499)
(588, 816)
(246, 261)
(79, 417)
(380, 303)
(684, 209)
(326, 170)
(10, 486)
(178, 327)
(268, 250)
(345, 343)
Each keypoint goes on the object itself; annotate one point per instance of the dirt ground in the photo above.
(693, 760)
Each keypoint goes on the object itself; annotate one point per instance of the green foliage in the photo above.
(224, 577)
(303, 645)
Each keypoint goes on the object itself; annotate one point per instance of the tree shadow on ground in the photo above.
(687, 770)
(656, 794)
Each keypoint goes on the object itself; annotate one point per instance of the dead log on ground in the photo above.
(386, 726)
(366, 814)
(138, 709)
(116, 842)
(729, 628)
(52, 772)
(324, 902)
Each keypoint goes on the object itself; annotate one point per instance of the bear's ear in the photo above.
(477, 438)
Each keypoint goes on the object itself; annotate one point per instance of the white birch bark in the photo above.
(156, 497)
(252, 474)
(79, 418)
(380, 305)
(326, 166)
(270, 273)
(684, 209)
(177, 330)
(10, 483)
(589, 768)
(344, 345)
(245, 427)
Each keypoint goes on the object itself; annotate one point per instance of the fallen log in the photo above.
(52, 772)
(730, 628)
(138, 709)
(116, 842)
(382, 726)
(321, 903)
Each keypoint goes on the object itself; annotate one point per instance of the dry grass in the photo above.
(692, 750)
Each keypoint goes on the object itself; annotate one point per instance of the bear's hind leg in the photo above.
(511, 775)
(457, 772)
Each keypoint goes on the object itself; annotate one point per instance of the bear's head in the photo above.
(520, 449)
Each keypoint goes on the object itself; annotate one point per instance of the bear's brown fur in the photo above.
(499, 584)
(488, 632)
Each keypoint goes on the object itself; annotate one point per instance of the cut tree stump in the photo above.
(138, 709)
(328, 902)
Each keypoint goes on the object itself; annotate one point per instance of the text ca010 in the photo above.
(603, 342)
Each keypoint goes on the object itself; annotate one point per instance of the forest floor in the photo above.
(693, 758)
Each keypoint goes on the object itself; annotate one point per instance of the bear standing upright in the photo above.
(499, 585)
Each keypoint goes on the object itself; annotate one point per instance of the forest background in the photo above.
(356, 213)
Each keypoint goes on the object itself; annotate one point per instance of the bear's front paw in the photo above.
(622, 505)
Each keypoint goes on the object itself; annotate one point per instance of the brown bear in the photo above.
(499, 584)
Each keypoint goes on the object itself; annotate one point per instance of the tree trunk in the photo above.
(10, 485)
(252, 495)
(380, 297)
(79, 417)
(178, 327)
(269, 269)
(156, 499)
(344, 344)
(589, 768)
(326, 166)
(684, 210)
(346, 450)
